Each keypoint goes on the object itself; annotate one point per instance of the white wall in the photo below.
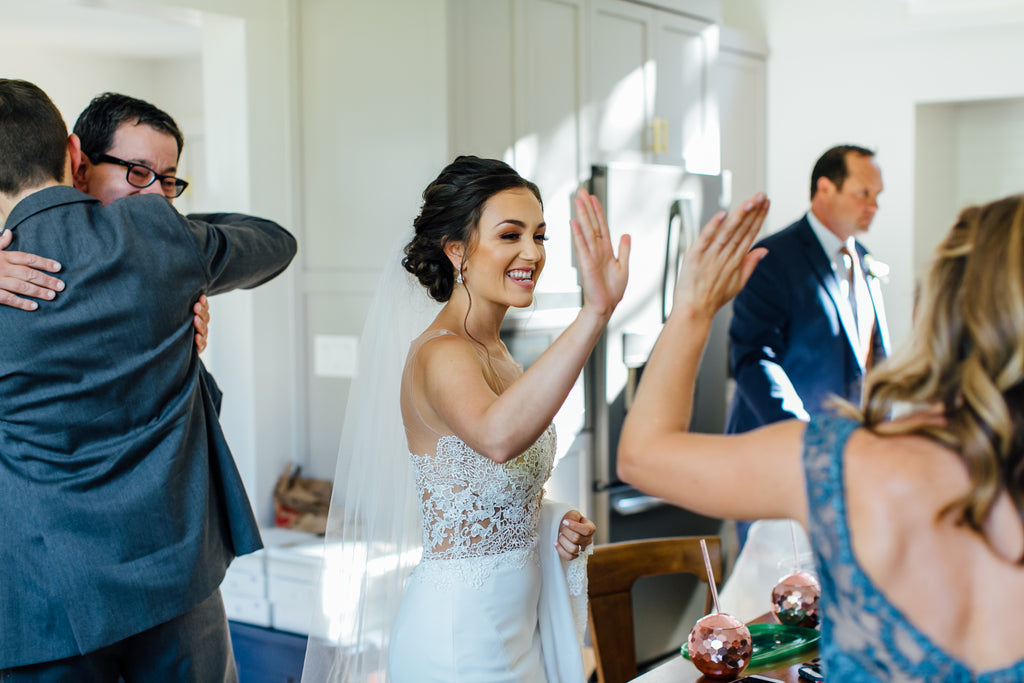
(935, 176)
(72, 77)
(841, 71)
(989, 143)
(967, 153)
(346, 107)
(374, 126)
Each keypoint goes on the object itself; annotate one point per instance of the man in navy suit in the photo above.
(810, 320)
(120, 503)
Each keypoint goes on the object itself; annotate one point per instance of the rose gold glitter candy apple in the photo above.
(795, 599)
(720, 645)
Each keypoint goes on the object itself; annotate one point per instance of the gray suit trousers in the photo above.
(192, 648)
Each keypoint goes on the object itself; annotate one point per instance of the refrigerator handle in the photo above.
(668, 282)
(635, 505)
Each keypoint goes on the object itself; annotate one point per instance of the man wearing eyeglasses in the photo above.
(120, 502)
(810, 322)
(129, 147)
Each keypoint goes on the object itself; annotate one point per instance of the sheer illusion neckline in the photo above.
(515, 370)
(924, 641)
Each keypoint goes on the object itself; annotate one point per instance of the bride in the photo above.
(482, 605)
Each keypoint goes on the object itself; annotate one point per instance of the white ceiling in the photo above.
(114, 27)
(929, 7)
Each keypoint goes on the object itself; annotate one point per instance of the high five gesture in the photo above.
(603, 276)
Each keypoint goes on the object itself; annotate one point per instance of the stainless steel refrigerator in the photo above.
(663, 209)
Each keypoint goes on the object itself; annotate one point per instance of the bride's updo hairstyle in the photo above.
(967, 354)
(451, 209)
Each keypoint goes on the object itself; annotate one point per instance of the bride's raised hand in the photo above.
(719, 262)
(603, 275)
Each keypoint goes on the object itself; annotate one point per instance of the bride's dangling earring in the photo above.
(458, 279)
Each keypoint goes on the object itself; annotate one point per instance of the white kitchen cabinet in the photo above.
(741, 83)
(685, 92)
(516, 86)
(621, 74)
(554, 86)
(651, 87)
(594, 81)
(551, 49)
(480, 66)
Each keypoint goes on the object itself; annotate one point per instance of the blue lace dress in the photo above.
(863, 636)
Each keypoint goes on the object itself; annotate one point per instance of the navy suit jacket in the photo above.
(120, 503)
(791, 346)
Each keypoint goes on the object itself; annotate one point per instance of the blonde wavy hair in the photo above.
(967, 355)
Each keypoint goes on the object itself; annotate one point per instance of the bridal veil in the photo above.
(374, 533)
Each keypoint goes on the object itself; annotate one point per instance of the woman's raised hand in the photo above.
(719, 262)
(603, 276)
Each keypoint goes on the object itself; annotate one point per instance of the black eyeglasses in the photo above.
(142, 176)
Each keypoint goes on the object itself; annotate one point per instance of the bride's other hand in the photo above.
(575, 533)
(603, 275)
(720, 261)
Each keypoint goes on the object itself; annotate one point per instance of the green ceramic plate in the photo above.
(775, 642)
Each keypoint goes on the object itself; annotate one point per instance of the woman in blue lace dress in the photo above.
(916, 523)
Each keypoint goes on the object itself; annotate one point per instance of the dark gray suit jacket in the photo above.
(120, 503)
(791, 344)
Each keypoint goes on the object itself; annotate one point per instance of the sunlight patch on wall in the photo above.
(623, 122)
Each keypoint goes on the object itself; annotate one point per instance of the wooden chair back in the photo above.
(611, 572)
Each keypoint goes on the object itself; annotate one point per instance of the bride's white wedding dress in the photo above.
(470, 609)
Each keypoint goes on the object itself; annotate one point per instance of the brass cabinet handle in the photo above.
(659, 135)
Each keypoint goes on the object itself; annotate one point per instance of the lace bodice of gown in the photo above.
(864, 637)
(472, 506)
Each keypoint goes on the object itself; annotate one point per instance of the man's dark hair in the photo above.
(832, 165)
(99, 121)
(33, 137)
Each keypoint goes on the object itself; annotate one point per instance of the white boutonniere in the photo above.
(876, 269)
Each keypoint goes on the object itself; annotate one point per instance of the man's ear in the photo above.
(826, 187)
(78, 162)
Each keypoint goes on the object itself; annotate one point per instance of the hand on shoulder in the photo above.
(22, 275)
